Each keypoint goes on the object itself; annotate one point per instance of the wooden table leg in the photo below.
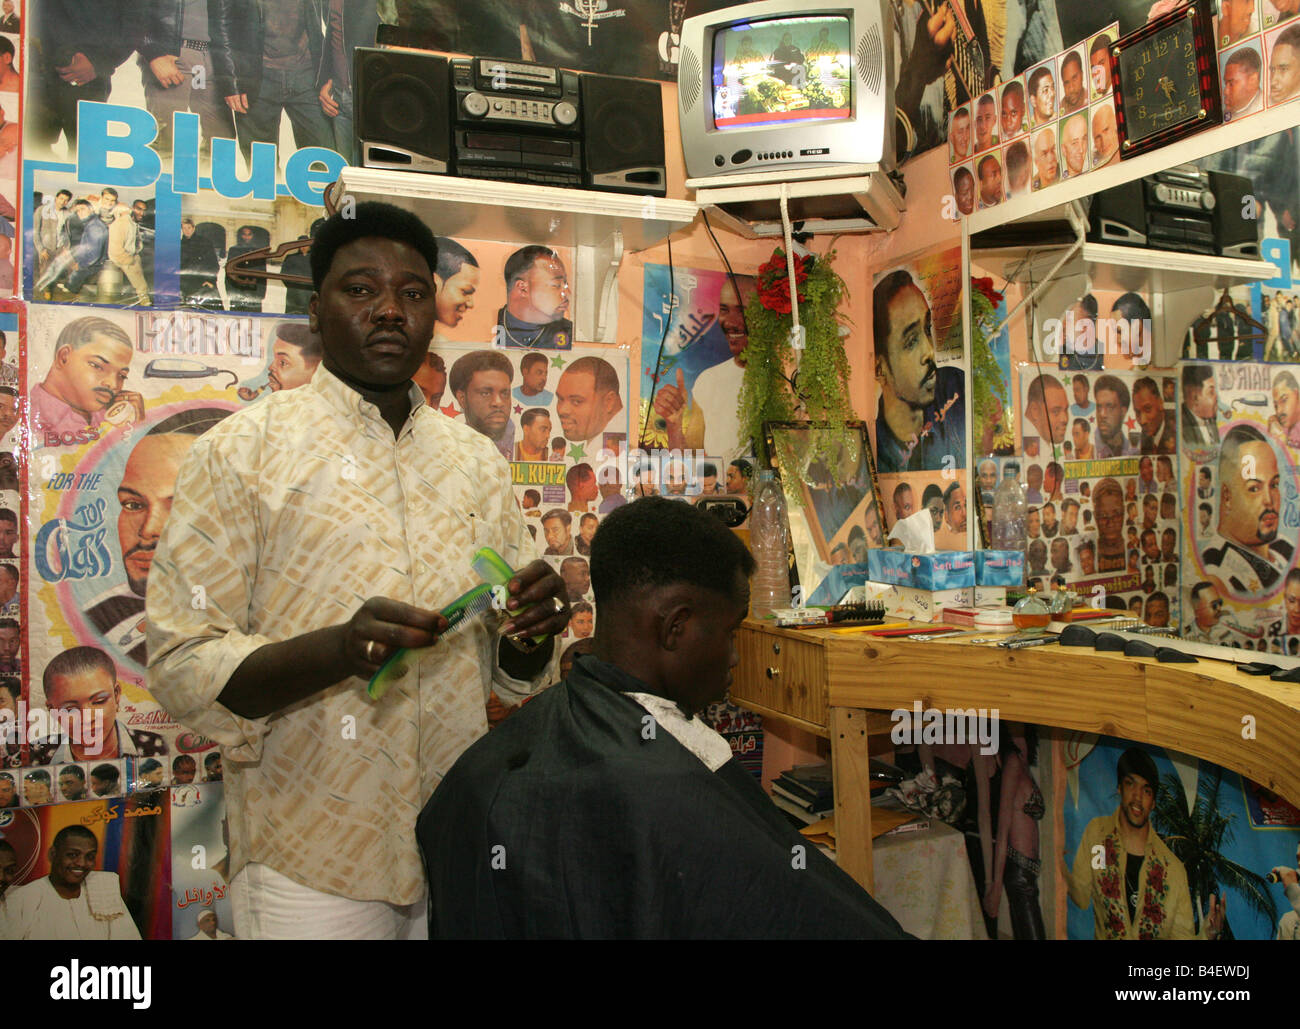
(852, 793)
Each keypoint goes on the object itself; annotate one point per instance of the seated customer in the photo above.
(605, 807)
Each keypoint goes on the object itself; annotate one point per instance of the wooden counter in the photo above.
(843, 687)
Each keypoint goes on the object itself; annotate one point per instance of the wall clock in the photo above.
(1166, 80)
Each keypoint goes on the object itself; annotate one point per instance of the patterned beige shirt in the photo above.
(287, 516)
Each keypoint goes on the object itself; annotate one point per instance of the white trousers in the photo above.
(271, 906)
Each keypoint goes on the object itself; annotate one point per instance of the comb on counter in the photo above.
(870, 612)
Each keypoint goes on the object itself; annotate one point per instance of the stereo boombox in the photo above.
(1183, 208)
(508, 120)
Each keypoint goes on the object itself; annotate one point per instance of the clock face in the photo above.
(1161, 83)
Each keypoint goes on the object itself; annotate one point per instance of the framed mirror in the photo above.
(830, 524)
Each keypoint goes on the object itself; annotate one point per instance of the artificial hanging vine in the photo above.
(819, 390)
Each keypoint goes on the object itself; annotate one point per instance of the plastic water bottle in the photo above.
(769, 540)
(1009, 510)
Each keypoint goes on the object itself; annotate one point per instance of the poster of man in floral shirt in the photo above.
(1136, 886)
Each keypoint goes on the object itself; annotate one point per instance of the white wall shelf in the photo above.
(1049, 203)
(600, 226)
(1111, 267)
(1180, 286)
(863, 199)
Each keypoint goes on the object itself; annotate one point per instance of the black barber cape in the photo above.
(566, 821)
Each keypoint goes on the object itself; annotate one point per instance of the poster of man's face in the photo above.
(959, 135)
(478, 283)
(1237, 20)
(1012, 112)
(1099, 73)
(694, 338)
(1105, 134)
(1242, 77)
(1283, 49)
(912, 323)
(1075, 81)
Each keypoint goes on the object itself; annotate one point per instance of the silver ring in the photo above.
(370, 652)
(560, 606)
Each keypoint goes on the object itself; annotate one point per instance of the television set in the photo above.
(786, 86)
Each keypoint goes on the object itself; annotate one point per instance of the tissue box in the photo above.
(927, 605)
(943, 570)
(990, 596)
(999, 568)
(912, 603)
(839, 581)
(892, 567)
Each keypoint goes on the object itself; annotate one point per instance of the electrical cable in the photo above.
(730, 274)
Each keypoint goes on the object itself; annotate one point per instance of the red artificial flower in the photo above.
(985, 286)
(774, 282)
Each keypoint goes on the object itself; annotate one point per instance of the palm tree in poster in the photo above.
(1197, 838)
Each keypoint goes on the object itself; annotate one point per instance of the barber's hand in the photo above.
(167, 71)
(537, 584)
(1288, 876)
(670, 401)
(238, 103)
(78, 71)
(327, 103)
(382, 626)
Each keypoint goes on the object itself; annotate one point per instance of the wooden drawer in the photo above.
(780, 673)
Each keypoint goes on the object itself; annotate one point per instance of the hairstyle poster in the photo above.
(1099, 477)
(1240, 426)
(117, 400)
(561, 420)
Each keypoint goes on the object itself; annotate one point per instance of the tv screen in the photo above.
(782, 70)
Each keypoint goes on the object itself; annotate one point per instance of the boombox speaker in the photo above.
(402, 110)
(1118, 215)
(623, 130)
(1237, 215)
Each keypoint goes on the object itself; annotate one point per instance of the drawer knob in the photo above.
(776, 647)
(772, 673)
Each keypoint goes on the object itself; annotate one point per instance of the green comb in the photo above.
(460, 614)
